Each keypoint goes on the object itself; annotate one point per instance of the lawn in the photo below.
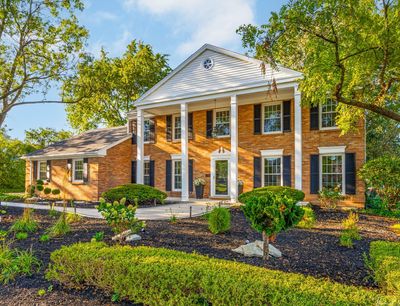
(314, 252)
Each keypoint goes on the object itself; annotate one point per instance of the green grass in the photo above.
(11, 196)
(157, 276)
(60, 228)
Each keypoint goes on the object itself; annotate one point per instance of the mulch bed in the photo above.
(313, 252)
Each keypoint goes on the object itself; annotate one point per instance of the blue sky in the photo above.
(173, 27)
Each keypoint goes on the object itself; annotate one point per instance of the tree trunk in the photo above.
(2, 118)
(265, 246)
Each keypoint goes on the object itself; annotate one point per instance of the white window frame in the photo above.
(335, 127)
(263, 157)
(73, 170)
(144, 131)
(215, 120)
(173, 128)
(215, 156)
(175, 158)
(38, 170)
(146, 162)
(342, 154)
(263, 117)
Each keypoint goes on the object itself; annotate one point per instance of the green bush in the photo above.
(47, 191)
(120, 216)
(56, 191)
(60, 228)
(330, 197)
(292, 193)
(14, 263)
(98, 236)
(219, 220)
(135, 194)
(383, 174)
(44, 238)
(21, 235)
(39, 188)
(308, 220)
(385, 263)
(153, 276)
(25, 224)
(10, 197)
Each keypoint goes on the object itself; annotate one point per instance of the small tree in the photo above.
(383, 174)
(269, 214)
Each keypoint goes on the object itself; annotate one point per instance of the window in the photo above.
(272, 118)
(222, 123)
(77, 170)
(146, 173)
(272, 171)
(42, 170)
(332, 171)
(328, 114)
(147, 131)
(177, 175)
(177, 127)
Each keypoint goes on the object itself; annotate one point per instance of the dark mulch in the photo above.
(313, 252)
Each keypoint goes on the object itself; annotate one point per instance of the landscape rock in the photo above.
(133, 237)
(122, 235)
(255, 249)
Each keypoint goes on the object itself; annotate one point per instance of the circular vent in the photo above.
(208, 63)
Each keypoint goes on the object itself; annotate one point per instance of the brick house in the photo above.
(215, 117)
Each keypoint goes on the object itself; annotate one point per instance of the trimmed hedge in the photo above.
(157, 276)
(143, 194)
(295, 194)
(385, 263)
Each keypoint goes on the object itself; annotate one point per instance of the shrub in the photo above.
(14, 263)
(60, 228)
(3, 235)
(135, 194)
(73, 218)
(292, 193)
(271, 213)
(308, 220)
(47, 191)
(385, 263)
(350, 230)
(10, 197)
(383, 174)
(119, 216)
(99, 236)
(56, 191)
(21, 235)
(167, 277)
(330, 197)
(26, 223)
(396, 228)
(39, 188)
(219, 220)
(44, 238)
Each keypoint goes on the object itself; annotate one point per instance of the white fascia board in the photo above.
(332, 150)
(267, 153)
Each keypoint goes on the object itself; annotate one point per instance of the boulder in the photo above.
(133, 237)
(255, 249)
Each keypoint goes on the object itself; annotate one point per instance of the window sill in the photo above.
(272, 133)
(335, 128)
(223, 136)
(78, 183)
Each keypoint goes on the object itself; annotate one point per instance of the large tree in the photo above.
(108, 86)
(38, 42)
(43, 137)
(348, 50)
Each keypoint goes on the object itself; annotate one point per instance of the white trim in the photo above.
(233, 131)
(213, 176)
(185, 152)
(174, 139)
(271, 153)
(263, 117)
(73, 170)
(146, 158)
(335, 127)
(263, 167)
(222, 109)
(221, 152)
(176, 156)
(38, 169)
(147, 118)
(139, 147)
(332, 150)
(343, 169)
(173, 175)
(298, 141)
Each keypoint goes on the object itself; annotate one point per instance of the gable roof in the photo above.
(91, 143)
(230, 70)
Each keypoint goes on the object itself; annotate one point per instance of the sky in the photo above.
(174, 27)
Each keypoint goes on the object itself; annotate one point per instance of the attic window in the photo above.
(208, 63)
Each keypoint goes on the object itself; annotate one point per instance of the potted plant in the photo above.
(199, 187)
(240, 186)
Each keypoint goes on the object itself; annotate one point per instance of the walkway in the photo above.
(160, 212)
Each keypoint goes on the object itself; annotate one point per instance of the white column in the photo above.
(184, 153)
(298, 159)
(234, 150)
(139, 146)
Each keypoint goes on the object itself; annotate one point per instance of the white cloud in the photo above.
(203, 21)
(116, 48)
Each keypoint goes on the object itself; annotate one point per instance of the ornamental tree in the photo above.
(270, 214)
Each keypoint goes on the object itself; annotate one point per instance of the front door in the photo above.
(221, 178)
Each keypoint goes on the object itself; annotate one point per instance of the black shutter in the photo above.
(134, 139)
(314, 173)
(209, 125)
(152, 173)
(85, 170)
(257, 119)
(190, 175)
(35, 169)
(190, 126)
(350, 177)
(152, 130)
(314, 118)
(287, 173)
(257, 172)
(286, 116)
(133, 172)
(168, 175)
(169, 127)
(69, 169)
(133, 127)
(48, 170)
